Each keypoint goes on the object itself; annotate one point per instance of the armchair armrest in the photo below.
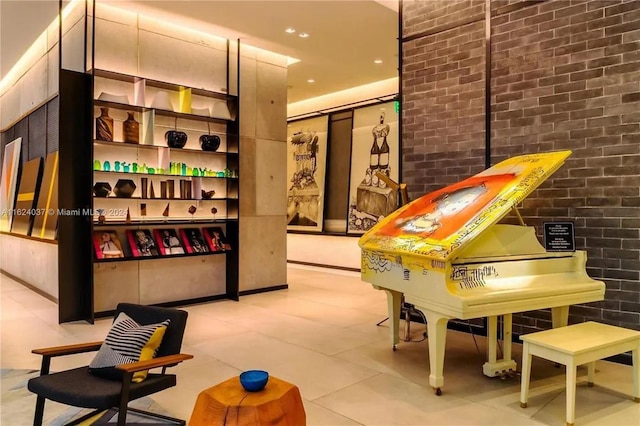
(68, 349)
(162, 361)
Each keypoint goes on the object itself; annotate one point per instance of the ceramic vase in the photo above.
(104, 126)
(131, 129)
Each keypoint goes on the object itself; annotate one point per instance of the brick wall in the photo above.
(444, 105)
(565, 75)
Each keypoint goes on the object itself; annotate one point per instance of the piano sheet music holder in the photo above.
(446, 254)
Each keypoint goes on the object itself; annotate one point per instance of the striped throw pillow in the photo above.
(127, 342)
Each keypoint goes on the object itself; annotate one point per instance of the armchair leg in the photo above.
(37, 418)
(124, 399)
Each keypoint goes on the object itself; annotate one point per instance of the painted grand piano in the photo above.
(447, 255)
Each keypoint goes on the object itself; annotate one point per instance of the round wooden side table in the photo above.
(228, 404)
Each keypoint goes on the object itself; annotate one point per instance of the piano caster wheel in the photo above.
(438, 391)
(523, 405)
(395, 348)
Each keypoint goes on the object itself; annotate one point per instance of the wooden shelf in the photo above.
(161, 174)
(222, 94)
(135, 259)
(156, 222)
(162, 112)
(157, 147)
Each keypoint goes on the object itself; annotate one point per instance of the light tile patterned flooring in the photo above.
(321, 334)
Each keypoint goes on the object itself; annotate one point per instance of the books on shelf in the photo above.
(159, 242)
(107, 245)
(168, 242)
(142, 243)
(216, 239)
(193, 240)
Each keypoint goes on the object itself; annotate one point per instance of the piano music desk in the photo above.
(577, 345)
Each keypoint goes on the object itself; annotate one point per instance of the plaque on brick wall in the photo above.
(374, 149)
(559, 236)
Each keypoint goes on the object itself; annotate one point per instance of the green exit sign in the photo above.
(396, 106)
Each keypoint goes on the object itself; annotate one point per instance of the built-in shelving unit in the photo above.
(93, 279)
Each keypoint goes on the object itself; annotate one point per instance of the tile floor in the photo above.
(321, 334)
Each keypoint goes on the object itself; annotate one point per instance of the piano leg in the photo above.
(495, 367)
(394, 301)
(559, 316)
(437, 332)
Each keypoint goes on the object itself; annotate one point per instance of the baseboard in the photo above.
(320, 265)
(29, 286)
(175, 304)
(264, 290)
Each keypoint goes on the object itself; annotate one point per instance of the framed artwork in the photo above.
(107, 245)
(10, 165)
(216, 240)
(141, 243)
(168, 242)
(306, 169)
(45, 222)
(374, 149)
(27, 197)
(193, 240)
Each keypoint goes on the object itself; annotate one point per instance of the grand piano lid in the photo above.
(440, 224)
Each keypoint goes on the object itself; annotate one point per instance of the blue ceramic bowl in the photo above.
(254, 380)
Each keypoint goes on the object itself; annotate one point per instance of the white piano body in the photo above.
(478, 268)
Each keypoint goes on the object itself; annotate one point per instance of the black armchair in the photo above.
(79, 388)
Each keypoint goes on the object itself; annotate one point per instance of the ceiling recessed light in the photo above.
(311, 80)
(290, 30)
(377, 61)
(303, 35)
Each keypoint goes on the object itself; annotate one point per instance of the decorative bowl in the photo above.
(254, 380)
(101, 189)
(175, 139)
(162, 101)
(111, 97)
(124, 188)
(207, 195)
(210, 142)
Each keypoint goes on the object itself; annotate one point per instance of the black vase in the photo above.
(124, 188)
(101, 189)
(175, 139)
(210, 142)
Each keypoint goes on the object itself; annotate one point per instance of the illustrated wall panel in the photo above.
(374, 148)
(306, 171)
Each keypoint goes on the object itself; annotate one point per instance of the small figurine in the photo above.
(143, 209)
(128, 218)
(192, 211)
(165, 213)
(214, 211)
(152, 193)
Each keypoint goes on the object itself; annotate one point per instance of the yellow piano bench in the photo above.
(577, 345)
